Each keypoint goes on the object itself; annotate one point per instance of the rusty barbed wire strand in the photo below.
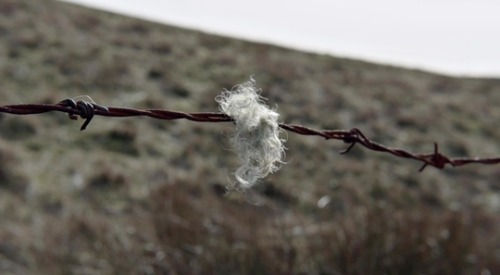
(87, 110)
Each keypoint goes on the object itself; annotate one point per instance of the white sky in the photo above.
(457, 37)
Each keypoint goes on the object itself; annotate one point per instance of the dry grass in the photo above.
(139, 196)
(187, 230)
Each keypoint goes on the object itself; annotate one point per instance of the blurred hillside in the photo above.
(140, 196)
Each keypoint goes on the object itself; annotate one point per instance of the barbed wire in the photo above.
(87, 110)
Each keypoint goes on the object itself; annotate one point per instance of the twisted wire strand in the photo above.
(87, 110)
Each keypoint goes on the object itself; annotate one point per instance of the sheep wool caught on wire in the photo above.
(256, 138)
(257, 134)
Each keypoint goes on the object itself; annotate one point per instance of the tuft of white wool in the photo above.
(256, 139)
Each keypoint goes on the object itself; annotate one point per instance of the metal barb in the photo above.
(85, 109)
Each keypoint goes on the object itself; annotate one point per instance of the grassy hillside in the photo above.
(140, 196)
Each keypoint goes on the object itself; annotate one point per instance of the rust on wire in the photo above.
(87, 110)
